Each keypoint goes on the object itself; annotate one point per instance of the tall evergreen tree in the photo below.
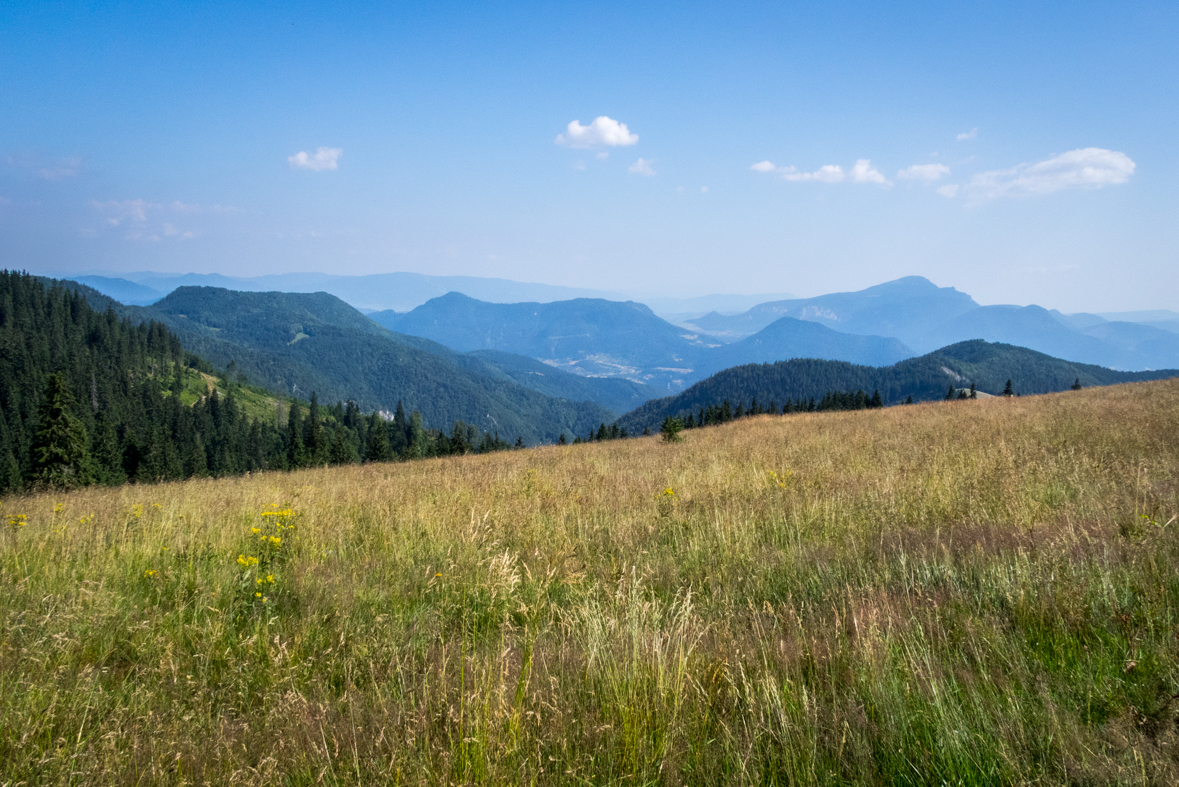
(294, 437)
(60, 456)
(378, 441)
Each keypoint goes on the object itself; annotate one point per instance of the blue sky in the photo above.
(1021, 152)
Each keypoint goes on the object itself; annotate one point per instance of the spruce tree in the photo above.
(314, 445)
(60, 456)
(294, 438)
(1008, 390)
(378, 441)
(973, 391)
(1076, 384)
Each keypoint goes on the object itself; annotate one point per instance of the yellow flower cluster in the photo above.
(781, 480)
(247, 560)
(150, 573)
(16, 521)
(669, 493)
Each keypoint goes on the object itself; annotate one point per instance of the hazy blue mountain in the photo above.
(905, 309)
(1150, 316)
(1171, 326)
(787, 338)
(299, 343)
(625, 340)
(1079, 321)
(586, 336)
(987, 365)
(122, 290)
(924, 316)
(1118, 345)
(398, 291)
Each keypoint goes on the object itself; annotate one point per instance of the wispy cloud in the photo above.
(1084, 169)
(322, 159)
(46, 169)
(926, 173)
(965, 135)
(641, 167)
(140, 220)
(602, 131)
(861, 172)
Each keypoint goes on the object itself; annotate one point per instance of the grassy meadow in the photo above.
(981, 592)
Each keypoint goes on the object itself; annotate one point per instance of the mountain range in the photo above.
(986, 365)
(595, 337)
(924, 317)
(541, 370)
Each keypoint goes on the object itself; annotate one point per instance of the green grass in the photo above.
(960, 593)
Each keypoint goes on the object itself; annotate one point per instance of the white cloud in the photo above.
(140, 220)
(579, 165)
(64, 168)
(601, 131)
(1085, 168)
(117, 212)
(861, 172)
(52, 170)
(864, 172)
(965, 135)
(321, 159)
(828, 173)
(641, 167)
(704, 189)
(926, 173)
(605, 154)
(950, 190)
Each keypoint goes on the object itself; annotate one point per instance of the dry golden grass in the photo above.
(967, 592)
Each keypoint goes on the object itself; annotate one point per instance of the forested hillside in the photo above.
(297, 343)
(89, 397)
(986, 365)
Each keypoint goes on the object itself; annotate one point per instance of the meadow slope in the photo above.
(965, 592)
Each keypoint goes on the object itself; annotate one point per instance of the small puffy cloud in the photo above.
(601, 131)
(763, 166)
(949, 191)
(1084, 168)
(579, 165)
(704, 189)
(605, 154)
(965, 135)
(926, 173)
(864, 172)
(641, 167)
(321, 159)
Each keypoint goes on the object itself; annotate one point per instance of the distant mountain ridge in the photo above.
(928, 377)
(594, 337)
(925, 317)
